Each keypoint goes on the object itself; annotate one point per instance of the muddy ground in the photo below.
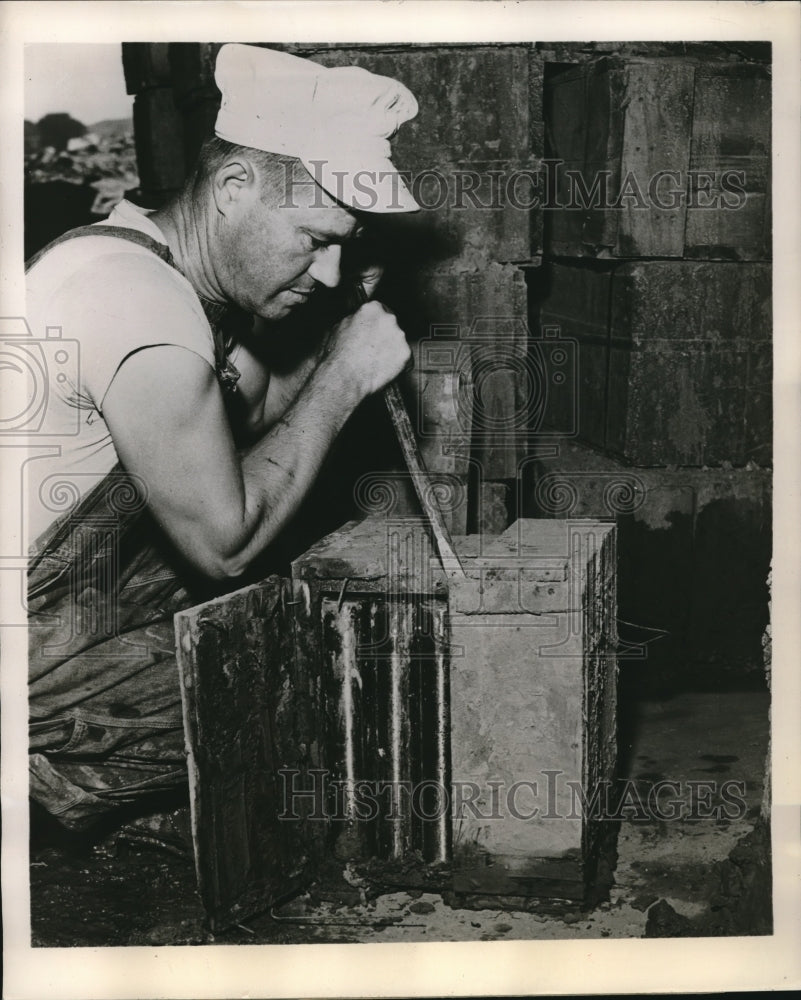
(695, 877)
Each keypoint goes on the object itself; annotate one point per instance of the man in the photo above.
(170, 384)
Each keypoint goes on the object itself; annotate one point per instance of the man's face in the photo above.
(276, 251)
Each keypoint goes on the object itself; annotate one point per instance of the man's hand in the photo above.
(267, 391)
(368, 349)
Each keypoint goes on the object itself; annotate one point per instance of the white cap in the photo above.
(337, 122)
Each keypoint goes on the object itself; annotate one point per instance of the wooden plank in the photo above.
(145, 65)
(242, 725)
(577, 303)
(501, 371)
(606, 110)
(158, 131)
(565, 112)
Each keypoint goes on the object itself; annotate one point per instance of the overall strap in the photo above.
(225, 321)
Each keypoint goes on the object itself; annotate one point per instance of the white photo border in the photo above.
(493, 968)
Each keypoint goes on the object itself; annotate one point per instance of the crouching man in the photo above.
(164, 500)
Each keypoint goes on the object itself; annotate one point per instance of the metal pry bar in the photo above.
(422, 483)
(414, 463)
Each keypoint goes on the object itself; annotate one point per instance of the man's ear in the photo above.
(233, 180)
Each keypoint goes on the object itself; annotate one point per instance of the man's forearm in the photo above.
(284, 389)
(279, 469)
(221, 507)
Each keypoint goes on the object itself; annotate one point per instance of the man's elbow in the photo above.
(222, 570)
(222, 547)
(218, 559)
(221, 566)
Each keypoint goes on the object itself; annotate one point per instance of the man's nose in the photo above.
(325, 268)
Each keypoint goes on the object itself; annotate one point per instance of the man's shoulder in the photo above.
(101, 271)
(98, 250)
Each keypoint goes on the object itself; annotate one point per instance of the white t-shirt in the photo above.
(109, 298)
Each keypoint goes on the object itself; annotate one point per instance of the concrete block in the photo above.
(706, 122)
(480, 208)
(198, 126)
(741, 234)
(731, 135)
(192, 67)
(519, 692)
(443, 418)
(457, 120)
(470, 331)
(656, 137)
(631, 119)
(427, 292)
(681, 338)
(758, 445)
(461, 134)
(728, 594)
(667, 354)
(455, 297)
(494, 503)
(593, 364)
(689, 301)
(678, 406)
(530, 695)
(536, 74)
(471, 215)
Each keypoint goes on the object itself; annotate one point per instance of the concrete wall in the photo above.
(670, 314)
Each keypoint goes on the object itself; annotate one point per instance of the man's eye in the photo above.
(316, 244)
